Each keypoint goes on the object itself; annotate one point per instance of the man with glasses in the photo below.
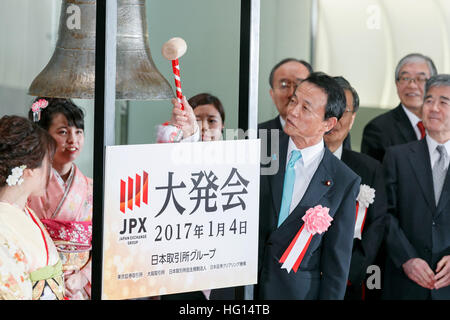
(370, 226)
(418, 191)
(311, 185)
(402, 124)
(283, 79)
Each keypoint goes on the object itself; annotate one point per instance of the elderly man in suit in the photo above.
(297, 261)
(283, 79)
(402, 124)
(418, 193)
(370, 219)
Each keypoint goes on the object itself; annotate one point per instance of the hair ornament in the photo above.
(37, 108)
(16, 176)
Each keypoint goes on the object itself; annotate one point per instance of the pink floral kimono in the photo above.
(66, 212)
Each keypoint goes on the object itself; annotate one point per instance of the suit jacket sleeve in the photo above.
(398, 246)
(337, 246)
(372, 141)
(366, 249)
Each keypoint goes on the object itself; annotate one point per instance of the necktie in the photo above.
(288, 186)
(422, 129)
(439, 172)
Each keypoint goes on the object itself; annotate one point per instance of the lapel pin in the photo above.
(327, 183)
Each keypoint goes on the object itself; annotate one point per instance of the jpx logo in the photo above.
(133, 191)
(136, 190)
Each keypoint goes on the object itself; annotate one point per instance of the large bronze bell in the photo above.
(70, 72)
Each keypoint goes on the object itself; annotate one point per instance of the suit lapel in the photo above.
(420, 163)
(278, 126)
(277, 180)
(445, 194)
(278, 123)
(404, 125)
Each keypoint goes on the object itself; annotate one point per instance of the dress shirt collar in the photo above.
(338, 152)
(434, 154)
(309, 154)
(414, 120)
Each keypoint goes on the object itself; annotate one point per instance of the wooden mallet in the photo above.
(172, 50)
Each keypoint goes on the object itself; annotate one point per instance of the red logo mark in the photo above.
(138, 192)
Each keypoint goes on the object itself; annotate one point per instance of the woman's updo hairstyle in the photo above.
(73, 114)
(22, 142)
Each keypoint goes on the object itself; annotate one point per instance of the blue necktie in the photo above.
(288, 187)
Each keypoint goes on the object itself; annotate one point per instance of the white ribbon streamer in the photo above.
(361, 215)
(296, 250)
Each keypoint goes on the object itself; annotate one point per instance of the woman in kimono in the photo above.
(66, 208)
(30, 267)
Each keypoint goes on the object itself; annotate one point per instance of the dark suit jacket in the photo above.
(269, 148)
(324, 270)
(386, 130)
(366, 249)
(271, 124)
(417, 227)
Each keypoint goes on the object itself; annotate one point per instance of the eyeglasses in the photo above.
(287, 84)
(418, 80)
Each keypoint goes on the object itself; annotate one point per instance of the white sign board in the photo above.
(180, 217)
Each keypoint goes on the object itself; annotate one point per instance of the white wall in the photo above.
(28, 34)
(364, 40)
(26, 41)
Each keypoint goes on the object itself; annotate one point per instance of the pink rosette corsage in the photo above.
(317, 220)
(37, 107)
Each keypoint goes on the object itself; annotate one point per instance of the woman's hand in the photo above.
(183, 119)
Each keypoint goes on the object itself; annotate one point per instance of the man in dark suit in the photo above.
(312, 177)
(402, 124)
(418, 193)
(283, 79)
(370, 226)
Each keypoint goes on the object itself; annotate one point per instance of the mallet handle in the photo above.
(176, 74)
